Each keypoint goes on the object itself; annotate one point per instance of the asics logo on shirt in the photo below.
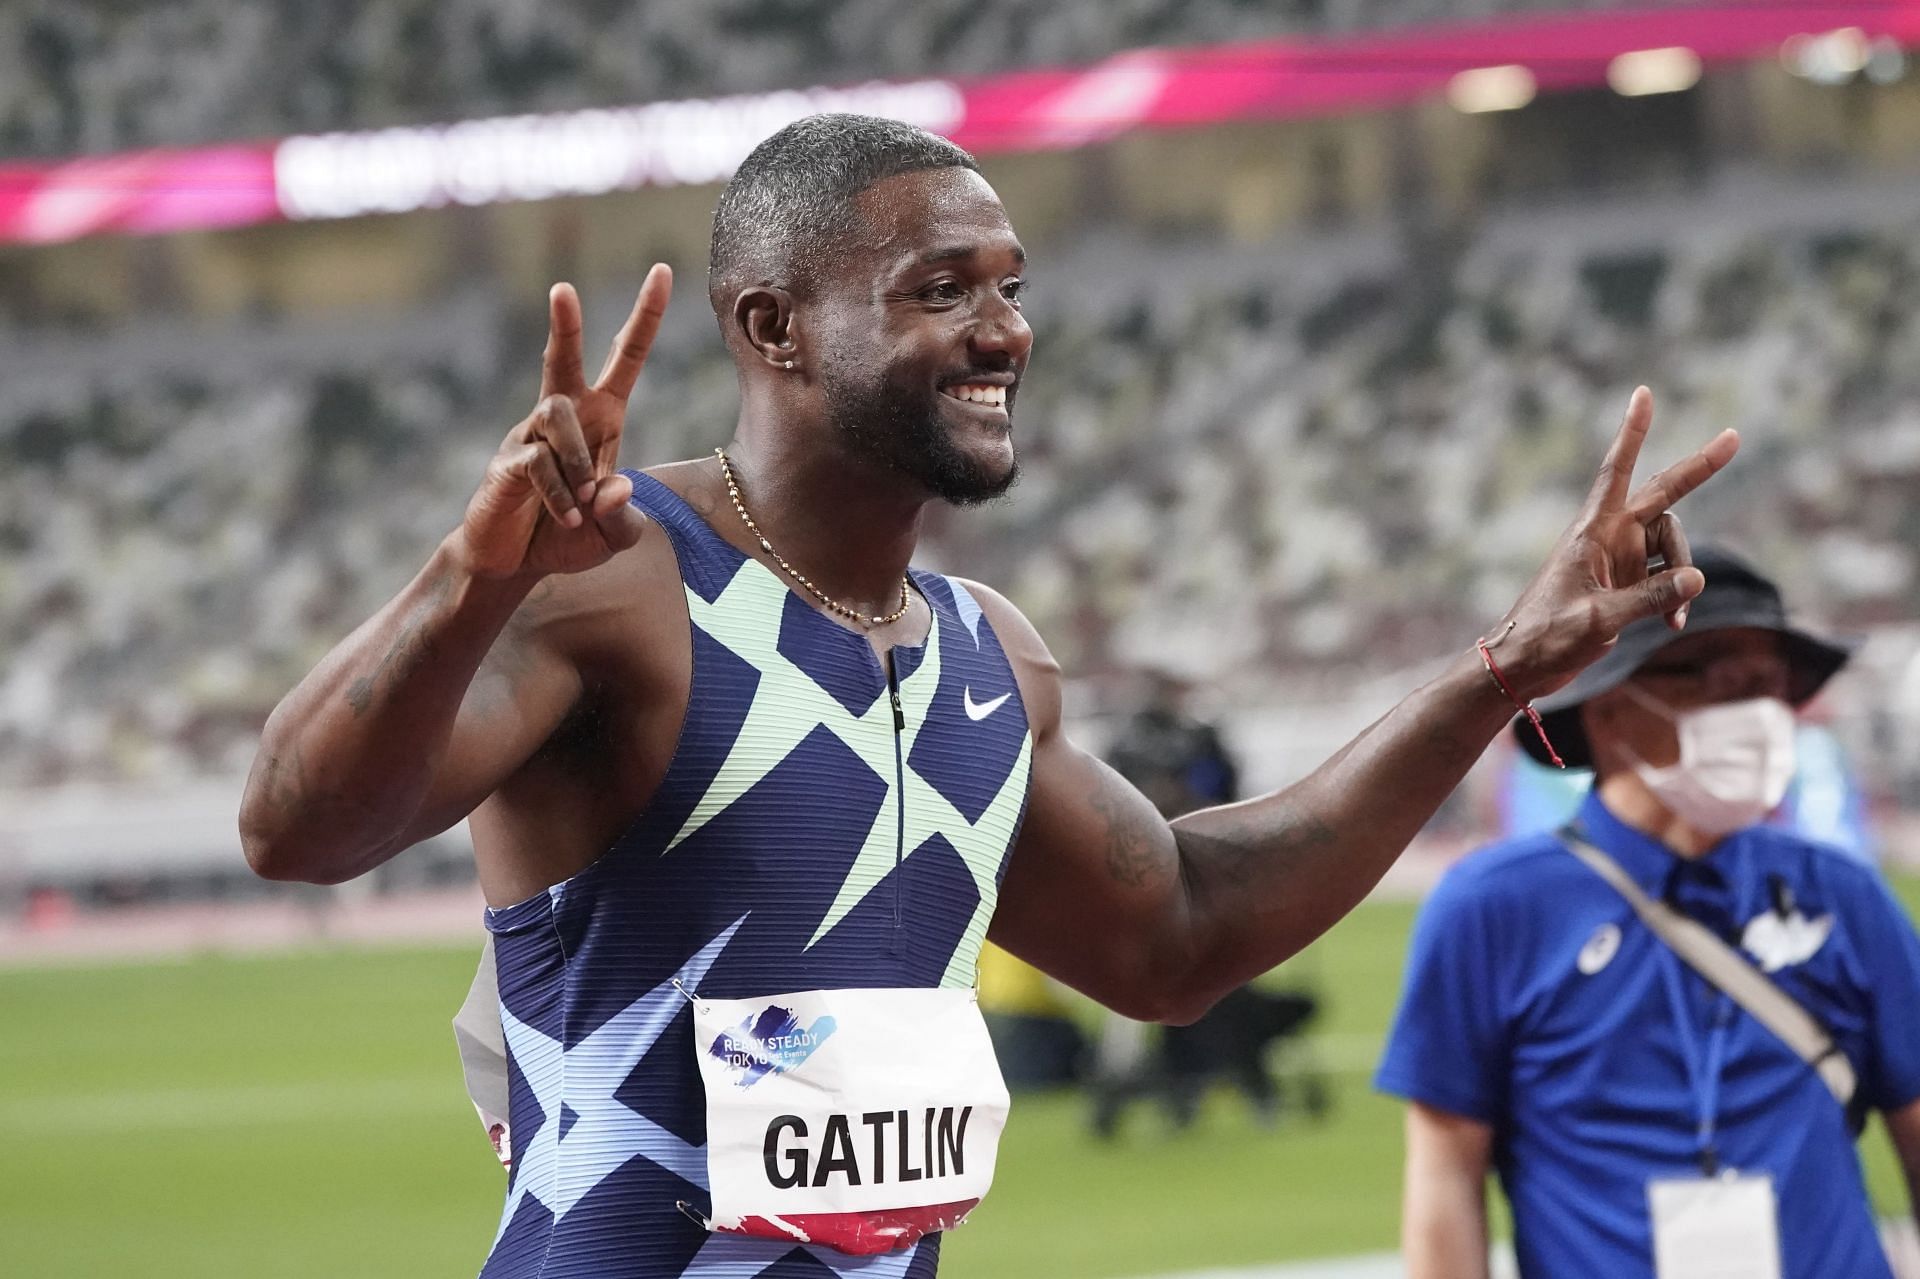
(1600, 949)
(978, 711)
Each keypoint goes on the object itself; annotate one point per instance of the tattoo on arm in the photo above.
(410, 648)
(284, 783)
(280, 779)
(1250, 845)
(1132, 858)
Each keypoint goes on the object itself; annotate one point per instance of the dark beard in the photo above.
(900, 427)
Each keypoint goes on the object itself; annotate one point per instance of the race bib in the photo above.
(857, 1119)
(1721, 1227)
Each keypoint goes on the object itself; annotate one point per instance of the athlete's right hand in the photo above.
(551, 502)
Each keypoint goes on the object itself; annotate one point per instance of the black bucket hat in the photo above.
(1736, 596)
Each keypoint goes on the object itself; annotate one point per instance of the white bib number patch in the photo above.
(858, 1119)
(1714, 1228)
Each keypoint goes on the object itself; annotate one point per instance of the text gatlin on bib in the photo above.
(855, 1119)
(858, 1119)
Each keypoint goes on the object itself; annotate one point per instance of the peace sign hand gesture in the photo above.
(1599, 576)
(551, 502)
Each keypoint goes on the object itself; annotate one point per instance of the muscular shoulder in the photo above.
(1034, 667)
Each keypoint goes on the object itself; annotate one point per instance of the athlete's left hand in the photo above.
(1600, 575)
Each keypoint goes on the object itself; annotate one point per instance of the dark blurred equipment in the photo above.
(1179, 762)
(1232, 1041)
(1175, 760)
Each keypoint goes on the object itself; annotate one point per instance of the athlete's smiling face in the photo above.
(922, 344)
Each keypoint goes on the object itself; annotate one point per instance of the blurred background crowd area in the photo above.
(1232, 469)
(1309, 402)
(109, 74)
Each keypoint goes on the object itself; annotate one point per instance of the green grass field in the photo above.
(303, 1116)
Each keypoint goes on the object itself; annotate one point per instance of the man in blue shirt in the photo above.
(1546, 1034)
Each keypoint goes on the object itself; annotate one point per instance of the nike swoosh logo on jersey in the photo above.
(978, 711)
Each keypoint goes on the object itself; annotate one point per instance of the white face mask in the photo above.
(1736, 760)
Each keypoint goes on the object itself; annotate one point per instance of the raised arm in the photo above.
(1158, 920)
(418, 715)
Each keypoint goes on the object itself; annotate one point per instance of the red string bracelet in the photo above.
(1526, 708)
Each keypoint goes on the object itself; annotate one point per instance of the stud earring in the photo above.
(789, 364)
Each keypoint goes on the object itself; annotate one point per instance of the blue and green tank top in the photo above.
(825, 823)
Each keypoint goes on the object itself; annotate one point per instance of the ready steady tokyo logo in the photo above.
(768, 1043)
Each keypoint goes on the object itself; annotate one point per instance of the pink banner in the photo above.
(586, 152)
(139, 192)
(1176, 88)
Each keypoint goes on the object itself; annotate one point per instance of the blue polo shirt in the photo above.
(1536, 1002)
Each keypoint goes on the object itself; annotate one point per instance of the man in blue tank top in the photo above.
(748, 792)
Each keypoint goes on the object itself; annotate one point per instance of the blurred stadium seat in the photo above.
(1324, 428)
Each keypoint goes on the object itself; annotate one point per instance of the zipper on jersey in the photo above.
(899, 795)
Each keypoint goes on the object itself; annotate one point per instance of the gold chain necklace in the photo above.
(733, 491)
